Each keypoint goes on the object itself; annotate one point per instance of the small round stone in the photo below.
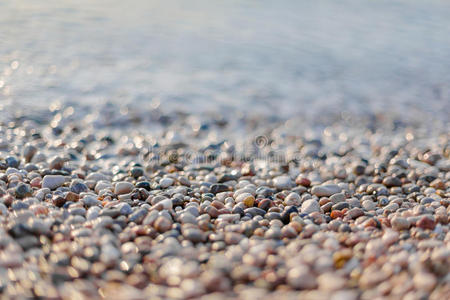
(78, 187)
(283, 182)
(166, 182)
(123, 187)
(52, 181)
(23, 190)
(310, 206)
(400, 223)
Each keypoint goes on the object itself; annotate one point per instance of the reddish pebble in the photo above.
(336, 214)
(265, 204)
(36, 182)
(324, 201)
(217, 204)
(303, 181)
(426, 223)
(212, 211)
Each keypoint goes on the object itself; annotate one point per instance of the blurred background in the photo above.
(282, 58)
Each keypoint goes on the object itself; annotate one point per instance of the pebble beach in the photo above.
(137, 194)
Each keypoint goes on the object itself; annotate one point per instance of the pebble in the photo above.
(124, 209)
(392, 207)
(90, 200)
(426, 223)
(23, 190)
(53, 181)
(166, 182)
(12, 162)
(310, 206)
(78, 187)
(28, 152)
(325, 190)
(292, 199)
(136, 172)
(193, 235)
(340, 206)
(283, 182)
(369, 205)
(355, 213)
(400, 223)
(338, 197)
(162, 224)
(218, 188)
(123, 187)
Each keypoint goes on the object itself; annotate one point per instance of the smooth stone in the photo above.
(138, 215)
(136, 172)
(144, 185)
(110, 212)
(426, 222)
(427, 200)
(193, 210)
(283, 182)
(338, 197)
(166, 182)
(369, 205)
(124, 208)
(80, 211)
(340, 206)
(12, 162)
(194, 235)
(187, 218)
(255, 211)
(23, 190)
(392, 181)
(355, 213)
(162, 224)
(123, 187)
(392, 207)
(399, 223)
(292, 199)
(103, 185)
(28, 152)
(218, 188)
(78, 187)
(309, 206)
(265, 204)
(325, 190)
(52, 181)
(90, 200)
(226, 177)
(96, 176)
(166, 203)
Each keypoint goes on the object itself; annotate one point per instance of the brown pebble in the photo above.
(426, 223)
(71, 196)
(58, 201)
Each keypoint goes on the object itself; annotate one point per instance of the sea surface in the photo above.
(281, 58)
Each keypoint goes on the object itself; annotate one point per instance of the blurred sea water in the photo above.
(282, 58)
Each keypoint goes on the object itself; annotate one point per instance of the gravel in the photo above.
(91, 212)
